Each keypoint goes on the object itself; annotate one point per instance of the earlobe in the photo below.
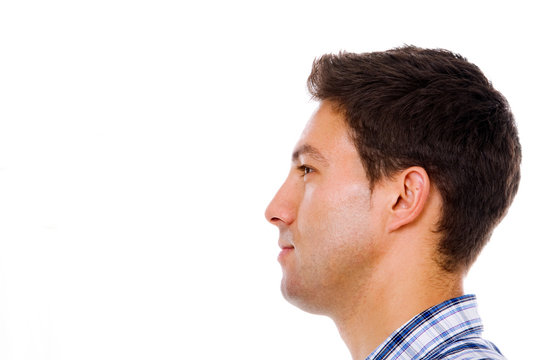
(411, 192)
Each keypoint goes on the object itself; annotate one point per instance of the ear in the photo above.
(411, 193)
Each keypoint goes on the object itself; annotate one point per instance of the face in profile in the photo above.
(326, 215)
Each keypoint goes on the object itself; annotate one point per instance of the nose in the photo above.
(282, 209)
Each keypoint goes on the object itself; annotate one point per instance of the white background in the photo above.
(140, 142)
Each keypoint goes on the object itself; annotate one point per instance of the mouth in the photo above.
(285, 246)
(286, 249)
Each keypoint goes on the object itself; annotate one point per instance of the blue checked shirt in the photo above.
(450, 331)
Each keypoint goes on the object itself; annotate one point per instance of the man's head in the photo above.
(430, 108)
(426, 120)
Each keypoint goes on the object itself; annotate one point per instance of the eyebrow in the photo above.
(307, 149)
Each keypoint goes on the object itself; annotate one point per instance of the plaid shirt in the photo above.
(451, 331)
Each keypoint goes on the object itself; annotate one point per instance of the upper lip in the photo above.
(285, 245)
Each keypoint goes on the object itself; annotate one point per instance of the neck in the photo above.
(392, 296)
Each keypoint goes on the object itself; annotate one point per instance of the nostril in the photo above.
(274, 220)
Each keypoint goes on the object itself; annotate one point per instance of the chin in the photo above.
(302, 298)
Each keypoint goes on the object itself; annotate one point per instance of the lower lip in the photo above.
(284, 253)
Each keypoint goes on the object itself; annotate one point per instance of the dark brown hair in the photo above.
(430, 108)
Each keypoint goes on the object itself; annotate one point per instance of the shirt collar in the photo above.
(431, 329)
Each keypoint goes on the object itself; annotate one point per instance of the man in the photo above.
(396, 184)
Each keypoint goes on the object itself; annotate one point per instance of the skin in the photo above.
(362, 256)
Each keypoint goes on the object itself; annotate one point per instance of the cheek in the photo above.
(315, 213)
(335, 216)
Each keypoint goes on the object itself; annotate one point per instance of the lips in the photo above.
(286, 249)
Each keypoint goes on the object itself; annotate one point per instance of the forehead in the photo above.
(327, 133)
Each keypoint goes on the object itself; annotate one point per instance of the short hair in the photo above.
(431, 108)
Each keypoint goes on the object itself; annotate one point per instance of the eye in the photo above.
(305, 169)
